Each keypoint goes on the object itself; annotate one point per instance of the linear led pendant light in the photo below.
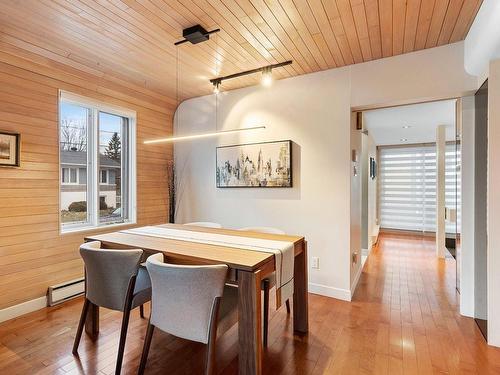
(202, 135)
(197, 34)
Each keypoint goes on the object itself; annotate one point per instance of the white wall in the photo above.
(431, 74)
(493, 209)
(314, 111)
(372, 195)
(482, 43)
(369, 194)
(319, 197)
(356, 198)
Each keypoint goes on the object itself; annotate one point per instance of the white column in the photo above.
(493, 253)
(440, 190)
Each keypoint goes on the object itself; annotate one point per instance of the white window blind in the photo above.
(407, 187)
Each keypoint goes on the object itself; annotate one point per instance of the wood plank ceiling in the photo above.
(132, 41)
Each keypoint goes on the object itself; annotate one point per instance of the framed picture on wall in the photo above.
(10, 144)
(266, 164)
(373, 168)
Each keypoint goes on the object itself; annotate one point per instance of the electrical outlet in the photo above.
(315, 262)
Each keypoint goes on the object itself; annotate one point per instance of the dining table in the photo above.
(247, 268)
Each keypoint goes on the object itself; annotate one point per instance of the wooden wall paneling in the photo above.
(250, 19)
(305, 13)
(438, 15)
(358, 38)
(33, 254)
(271, 28)
(424, 22)
(373, 21)
(385, 12)
(97, 37)
(465, 17)
(411, 23)
(279, 23)
(343, 55)
(326, 31)
(450, 20)
(362, 30)
(290, 14)
(398, 25)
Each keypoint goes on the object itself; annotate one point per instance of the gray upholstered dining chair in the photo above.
(206, 224)
(115, 280)
(188, 302)
(268, 283)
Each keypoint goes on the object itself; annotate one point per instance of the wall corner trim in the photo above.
(355, 281)
(330, 291)
(15, 311)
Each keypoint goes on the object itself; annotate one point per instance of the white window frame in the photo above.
(106, 171)
(93, 169)
(69, 175)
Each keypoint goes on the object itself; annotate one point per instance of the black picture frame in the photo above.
(17, 151)
(373, 168)
(290, 185)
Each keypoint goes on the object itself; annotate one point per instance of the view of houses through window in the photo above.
(94, 148)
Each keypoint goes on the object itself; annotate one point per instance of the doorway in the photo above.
(410, 172)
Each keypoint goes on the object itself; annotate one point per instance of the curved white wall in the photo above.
(482, 43)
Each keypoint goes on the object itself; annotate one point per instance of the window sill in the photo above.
(82, 229)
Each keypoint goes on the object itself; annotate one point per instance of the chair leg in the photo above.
(266, 312)
(288, 306)
(212, 338)
(81, 324)
(123, 338)
(145, 349)
(141, 311)
(126, 316)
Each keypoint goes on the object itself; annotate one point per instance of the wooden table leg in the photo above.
(249, 323)
(92, 321)
(300, 296)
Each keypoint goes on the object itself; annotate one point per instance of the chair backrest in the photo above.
(268, 230)
(108, 273)
(183, 297)
(206, 224)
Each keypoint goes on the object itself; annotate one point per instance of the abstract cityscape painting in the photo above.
(267, 164)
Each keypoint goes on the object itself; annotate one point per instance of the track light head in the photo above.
(216, 86)
(267, 77)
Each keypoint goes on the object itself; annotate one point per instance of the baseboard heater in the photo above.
(65, 291)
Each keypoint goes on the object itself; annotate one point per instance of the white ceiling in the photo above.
(386, 125)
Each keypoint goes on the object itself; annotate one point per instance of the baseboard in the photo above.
(329, 291)
(12, 312)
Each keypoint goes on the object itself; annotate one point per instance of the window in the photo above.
(104, 176)
(97, 164)
(69, 175)
(407, 187)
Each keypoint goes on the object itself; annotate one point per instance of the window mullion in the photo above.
(94, 167)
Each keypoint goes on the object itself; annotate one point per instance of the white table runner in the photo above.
(283, 251)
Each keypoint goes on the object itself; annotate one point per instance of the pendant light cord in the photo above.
(177, 88)
(216, 73)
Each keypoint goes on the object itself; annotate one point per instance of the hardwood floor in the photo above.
(403, 320)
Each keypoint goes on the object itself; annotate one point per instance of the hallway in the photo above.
(403, 320)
